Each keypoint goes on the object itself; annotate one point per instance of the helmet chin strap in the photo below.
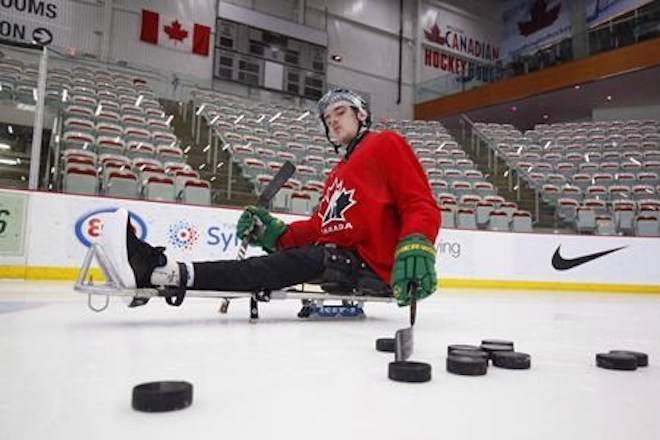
(358, 137)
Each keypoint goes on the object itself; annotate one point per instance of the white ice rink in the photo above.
(67, 372)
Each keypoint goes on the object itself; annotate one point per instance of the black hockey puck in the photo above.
(465, 347)
(387, 345)
(407, 371)
(162, 396)
(642, 358)
(616, 361)
(491, 348)
(497, 342)
(467, 365)
(479, 354)
(511, 360)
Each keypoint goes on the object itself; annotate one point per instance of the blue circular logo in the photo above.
(89, 227)
(183, 235)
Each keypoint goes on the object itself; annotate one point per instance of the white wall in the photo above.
(366, 35)
(87, 26)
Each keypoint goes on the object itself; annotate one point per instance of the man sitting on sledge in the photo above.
(372, 233)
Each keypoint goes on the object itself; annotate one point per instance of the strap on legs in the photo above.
(180, 291)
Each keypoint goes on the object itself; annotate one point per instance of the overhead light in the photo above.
(202, 166)
(34, 94)
(336, 58)
(169, 119)
(185, 151)
(239, 119)
(200, 110)
(609, 97)
(65, 95)
(5, 147)
(577, 87)
(220, 165)
(205, 149)
(10, 129)
(545, 116)
(138, 101)
(303, 116)
(212, 179)
(214, 120)
(8, 162)
(514, 108)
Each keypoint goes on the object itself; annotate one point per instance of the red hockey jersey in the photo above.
(369, 202)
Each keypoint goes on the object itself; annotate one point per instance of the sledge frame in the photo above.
(114, 287)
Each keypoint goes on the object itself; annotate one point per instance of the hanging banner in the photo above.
(530, 25)
(456, 45)
(174, 33)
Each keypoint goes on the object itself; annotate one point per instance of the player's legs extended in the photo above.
(275, 271)
(141, 265)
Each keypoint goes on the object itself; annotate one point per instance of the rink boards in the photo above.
(46, 235)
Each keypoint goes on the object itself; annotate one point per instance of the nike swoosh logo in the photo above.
(561, 263)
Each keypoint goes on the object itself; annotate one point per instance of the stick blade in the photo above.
(403, 343)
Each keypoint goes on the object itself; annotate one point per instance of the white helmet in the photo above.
(356, 102)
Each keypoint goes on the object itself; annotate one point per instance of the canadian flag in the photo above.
(174, 33)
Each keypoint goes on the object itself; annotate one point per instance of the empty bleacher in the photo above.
(261, 136)
(598, 177)
(113, 137)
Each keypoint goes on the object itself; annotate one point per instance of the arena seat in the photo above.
(197, 191)
(498, 220)
(159, 187)
(122, 183)
(521, 221)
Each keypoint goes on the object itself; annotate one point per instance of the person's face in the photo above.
(342, 122)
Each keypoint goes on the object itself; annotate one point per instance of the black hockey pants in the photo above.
(337, 270)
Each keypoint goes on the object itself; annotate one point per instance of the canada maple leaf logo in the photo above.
(175, 31)
(433, 34)
(339, 200)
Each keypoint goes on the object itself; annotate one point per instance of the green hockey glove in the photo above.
(261, 228)
(414, 261)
